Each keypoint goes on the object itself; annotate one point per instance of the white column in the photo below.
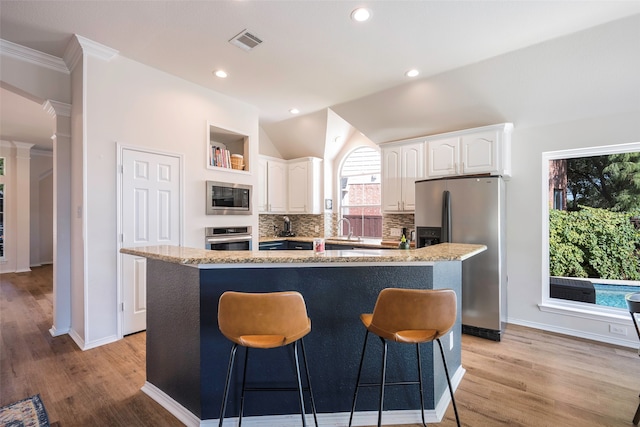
(61, 216)
(23, 200)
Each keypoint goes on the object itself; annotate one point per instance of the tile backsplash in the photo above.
(326, 224)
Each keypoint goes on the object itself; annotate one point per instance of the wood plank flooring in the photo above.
(531, 378)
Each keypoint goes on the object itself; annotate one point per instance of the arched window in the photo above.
(360, 194)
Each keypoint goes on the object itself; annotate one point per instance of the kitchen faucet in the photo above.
(348, 223)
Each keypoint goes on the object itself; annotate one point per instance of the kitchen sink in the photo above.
(345, 239)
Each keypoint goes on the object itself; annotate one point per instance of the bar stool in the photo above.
(264, 320)
(633, 303)
(410, 316)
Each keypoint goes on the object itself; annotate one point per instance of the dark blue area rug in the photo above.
(28, 412)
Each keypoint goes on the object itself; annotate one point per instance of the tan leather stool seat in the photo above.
(410, 316)
(264, 320)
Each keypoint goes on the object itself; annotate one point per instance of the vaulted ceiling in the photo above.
(312, 56)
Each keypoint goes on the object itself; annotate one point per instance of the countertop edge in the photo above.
(193, 256)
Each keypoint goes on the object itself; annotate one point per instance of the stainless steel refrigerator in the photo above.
(470, 210)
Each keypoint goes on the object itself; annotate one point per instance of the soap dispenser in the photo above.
(403, 243)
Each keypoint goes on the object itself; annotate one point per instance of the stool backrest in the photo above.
(415, 309)
(276, 313)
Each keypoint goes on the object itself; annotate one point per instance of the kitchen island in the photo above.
(187, 356)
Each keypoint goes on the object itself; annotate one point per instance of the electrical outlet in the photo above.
(451, 340)
(396, 232)
(616, 329)
(317, 229)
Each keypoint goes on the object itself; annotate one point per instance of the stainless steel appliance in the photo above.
(470, 210)
(228, 238)
(224, 198)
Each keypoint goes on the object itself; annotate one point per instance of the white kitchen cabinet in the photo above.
(272, 185)
(443, 157)
(485, 150)
(402, 165)
(304, 186)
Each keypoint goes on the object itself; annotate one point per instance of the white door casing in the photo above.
(150, 212)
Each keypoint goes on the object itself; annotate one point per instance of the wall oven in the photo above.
(224, 198)
(227, 238)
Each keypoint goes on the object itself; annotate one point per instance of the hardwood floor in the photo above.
(531, 378)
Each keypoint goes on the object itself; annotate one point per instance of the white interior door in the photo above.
(150, 203)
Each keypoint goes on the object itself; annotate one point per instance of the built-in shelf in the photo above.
(223, 148)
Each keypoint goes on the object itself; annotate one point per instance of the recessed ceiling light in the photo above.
(220, 73)
(294, 111)
(412, 73)
(361, 14)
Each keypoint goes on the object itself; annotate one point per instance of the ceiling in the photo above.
(312, 55)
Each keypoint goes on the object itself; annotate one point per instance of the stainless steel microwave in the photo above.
(224, 198)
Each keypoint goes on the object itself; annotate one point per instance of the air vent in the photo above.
(245, 40)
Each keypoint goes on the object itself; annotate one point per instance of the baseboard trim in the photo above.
(97, 343)
(55, 332)
(575, 333)
(339, 419)
(180, 412)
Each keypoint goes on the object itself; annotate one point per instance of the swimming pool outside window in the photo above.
(593, 234)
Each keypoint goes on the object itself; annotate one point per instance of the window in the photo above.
(360, 193)
(593, 220)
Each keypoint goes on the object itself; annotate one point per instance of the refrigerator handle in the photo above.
(446, 217)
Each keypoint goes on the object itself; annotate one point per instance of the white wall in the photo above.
(41, 208)
(524, 218)
(266, 147)
(135, 105)
(78, 211)
(8, 151)
(45, 239)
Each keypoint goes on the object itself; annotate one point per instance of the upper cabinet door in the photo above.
(412, 170)
(402, 165)
(443, 157)
(262, 196)
(480, 153)
(298, 187)
(391, 179)
(277, 187)
(304, 185)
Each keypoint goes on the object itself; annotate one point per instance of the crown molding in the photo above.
(56, 108)
(33, 56)
(43, 153)
(81, 45)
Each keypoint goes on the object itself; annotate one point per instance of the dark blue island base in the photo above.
(187, 356)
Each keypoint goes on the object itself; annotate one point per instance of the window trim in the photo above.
(560, 306)
(340, 206)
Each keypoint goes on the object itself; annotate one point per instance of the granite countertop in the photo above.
(193, 256)
(361, 242)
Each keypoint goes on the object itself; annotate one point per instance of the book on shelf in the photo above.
(219, 157)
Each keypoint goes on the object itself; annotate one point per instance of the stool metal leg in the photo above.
(384, 373)
(446, 371)
(355, 393)
(306, 367)
(424, 423)
(225, 395)
(244, 382)
(295, 353)
(636, 417)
